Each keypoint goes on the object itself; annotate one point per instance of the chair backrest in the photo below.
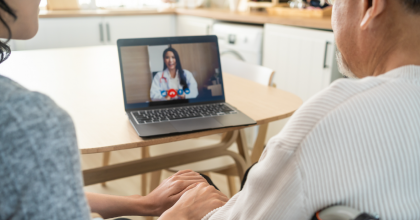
(256, 73)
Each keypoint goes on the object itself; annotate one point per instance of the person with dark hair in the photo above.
(40, 173)
(173, 82)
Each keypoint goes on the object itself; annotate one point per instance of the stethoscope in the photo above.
(163, 77)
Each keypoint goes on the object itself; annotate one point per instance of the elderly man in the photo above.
(357, 143)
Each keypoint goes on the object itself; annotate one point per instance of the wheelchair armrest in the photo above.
(343, 213)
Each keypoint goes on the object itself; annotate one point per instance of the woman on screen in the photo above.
(173, 82)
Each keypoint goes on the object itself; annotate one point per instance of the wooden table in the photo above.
(86, 83)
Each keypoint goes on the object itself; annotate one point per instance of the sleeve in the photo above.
(155, 94)
(192, 85)
(273, 190)
(40, 165)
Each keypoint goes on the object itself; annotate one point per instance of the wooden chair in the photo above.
(144, 154)
(259, 74)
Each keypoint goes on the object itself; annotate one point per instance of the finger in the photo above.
(183, 171)
(181, 185)
(178, 179)
(189, 174)
(192, 186)
(192, 173)
(188, 177)
(220, 193)
(223, 198)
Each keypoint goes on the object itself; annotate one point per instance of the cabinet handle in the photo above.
(208, 29)
(101, 32)
(108, 33)
(325, 54)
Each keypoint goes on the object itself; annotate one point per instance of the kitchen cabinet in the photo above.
(63, 32)
(191, 25)
(92, 31)
(303, 59)
(117, 27)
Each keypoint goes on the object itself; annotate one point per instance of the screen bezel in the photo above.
(165, 41)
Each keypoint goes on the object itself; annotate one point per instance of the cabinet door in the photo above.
(63, 32)
(304, 59)
(117, 27)
(192, 26)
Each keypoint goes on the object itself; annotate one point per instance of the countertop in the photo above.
(217, 14)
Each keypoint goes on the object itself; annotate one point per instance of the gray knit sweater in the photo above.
(40, 174)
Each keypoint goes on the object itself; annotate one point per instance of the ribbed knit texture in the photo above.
(357, 143)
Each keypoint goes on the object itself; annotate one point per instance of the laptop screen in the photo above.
(171, 71)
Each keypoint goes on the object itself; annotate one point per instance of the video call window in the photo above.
(171, 72)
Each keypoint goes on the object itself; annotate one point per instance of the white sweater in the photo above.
(357, 143)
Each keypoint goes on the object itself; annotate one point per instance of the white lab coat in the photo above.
(159, 85)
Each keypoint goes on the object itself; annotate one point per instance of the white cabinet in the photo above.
(191, 25)
(304, 61)
(117, 27)
(63, 32)
(92, 31)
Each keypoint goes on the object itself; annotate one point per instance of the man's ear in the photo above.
(372, 10)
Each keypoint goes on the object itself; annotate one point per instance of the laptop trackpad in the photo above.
(196, 124)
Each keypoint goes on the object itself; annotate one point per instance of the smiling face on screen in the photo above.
(170, 61)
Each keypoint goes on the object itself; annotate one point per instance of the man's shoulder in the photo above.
(340, 92)
(319, 107)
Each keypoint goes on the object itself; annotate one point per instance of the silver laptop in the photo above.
(175, 85)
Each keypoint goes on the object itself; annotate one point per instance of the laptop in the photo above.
(175, 85)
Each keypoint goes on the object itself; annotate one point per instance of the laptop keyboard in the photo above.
(178, 113)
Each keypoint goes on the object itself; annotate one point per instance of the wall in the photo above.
(200, 59)
(137, 75)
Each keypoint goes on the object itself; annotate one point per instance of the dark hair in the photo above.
(182, 77)
(4, 48)
(412, 5)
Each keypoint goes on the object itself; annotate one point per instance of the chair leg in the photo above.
(223, 136)
(105, 161)
(259, 143)
(144, 154)
(232, 186)
(155, 180)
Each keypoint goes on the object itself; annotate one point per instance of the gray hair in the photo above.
(412, 5)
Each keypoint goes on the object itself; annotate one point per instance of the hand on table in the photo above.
(196, 203)
(154, 204)
(171, 189)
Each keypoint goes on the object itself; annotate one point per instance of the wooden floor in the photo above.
(131, 185)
